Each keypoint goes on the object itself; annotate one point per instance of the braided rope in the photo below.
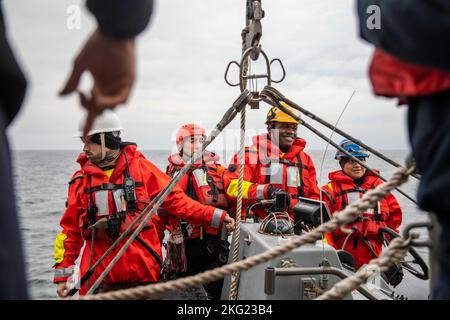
(237, 231)
(395, 253)
(338, 220)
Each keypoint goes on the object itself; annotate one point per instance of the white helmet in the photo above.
(108, 121)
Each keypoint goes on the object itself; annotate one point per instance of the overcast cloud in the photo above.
(181, 61)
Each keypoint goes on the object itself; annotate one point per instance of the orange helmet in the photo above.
(187, 130)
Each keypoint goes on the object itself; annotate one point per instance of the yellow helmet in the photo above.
(275, 114)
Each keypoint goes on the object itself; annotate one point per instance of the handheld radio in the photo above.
(129, 188)
(114, 224)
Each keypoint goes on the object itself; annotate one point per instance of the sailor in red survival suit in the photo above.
(115, 183)
(274, 164)
(412, 63)
(193, 249)
(347, 186)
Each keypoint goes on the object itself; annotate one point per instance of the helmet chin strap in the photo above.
(102, 140)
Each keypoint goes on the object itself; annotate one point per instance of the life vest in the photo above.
(285, 174)
(339, 193)
(203, 182)
(208, 186)
(104, 201)
(206, 180)
(291, 171)
(392, 77)
(346, 194)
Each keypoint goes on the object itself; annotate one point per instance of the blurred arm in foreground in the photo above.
(109, 55)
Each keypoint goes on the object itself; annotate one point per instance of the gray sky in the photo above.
(181, 61)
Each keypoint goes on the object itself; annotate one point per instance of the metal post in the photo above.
(269, 284)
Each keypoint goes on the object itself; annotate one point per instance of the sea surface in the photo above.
(41, 179)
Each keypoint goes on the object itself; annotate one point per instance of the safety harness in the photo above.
(355, 191)
(124, 203)
(275, 165)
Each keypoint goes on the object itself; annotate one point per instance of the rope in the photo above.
(237, 231)
(395, 253)
(237, 227)
(338, 220)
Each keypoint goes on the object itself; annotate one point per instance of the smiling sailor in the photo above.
(275, 166)
(347, 186)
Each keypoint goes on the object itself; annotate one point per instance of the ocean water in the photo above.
(41, 179)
